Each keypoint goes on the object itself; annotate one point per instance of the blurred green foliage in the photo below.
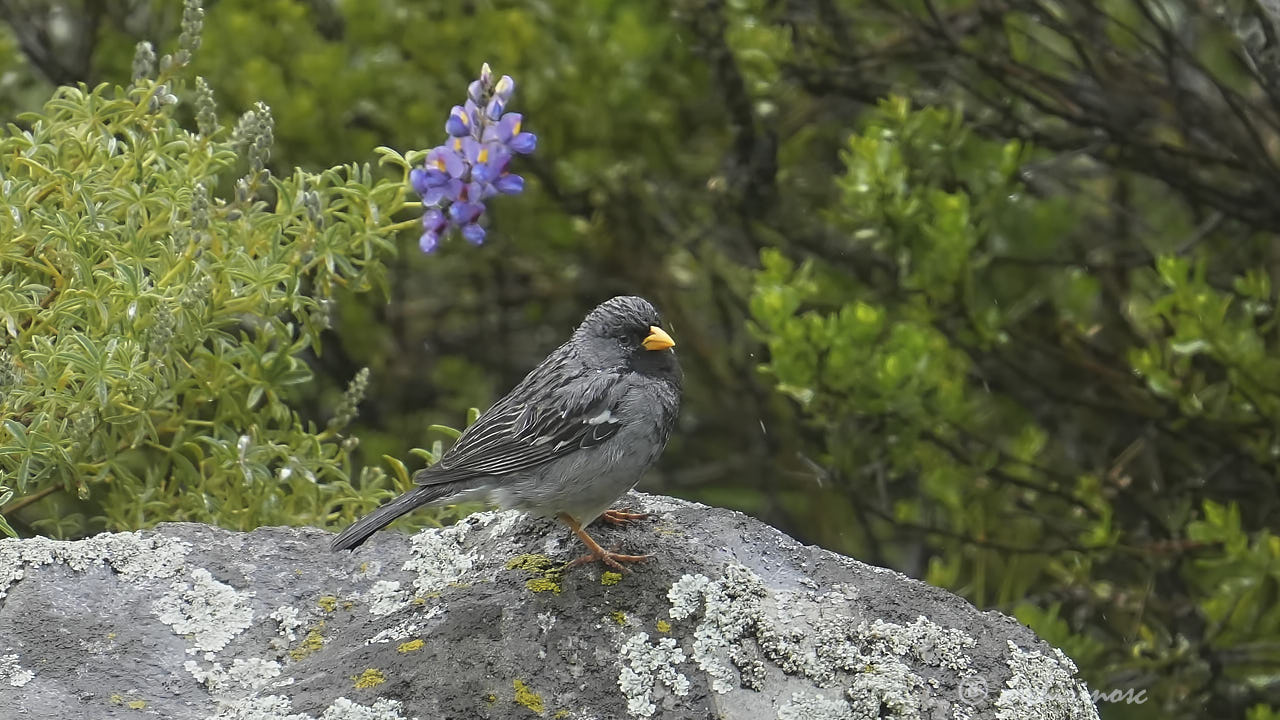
(988, 297)
(888, 370)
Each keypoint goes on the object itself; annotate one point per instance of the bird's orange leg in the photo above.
(597, 553)
(622, 517)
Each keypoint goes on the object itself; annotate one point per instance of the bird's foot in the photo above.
(610, 558)
(597, 553)
(622, 517)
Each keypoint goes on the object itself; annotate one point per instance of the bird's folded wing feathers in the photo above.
(510, 436)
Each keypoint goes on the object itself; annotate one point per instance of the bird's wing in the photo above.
(513, 435)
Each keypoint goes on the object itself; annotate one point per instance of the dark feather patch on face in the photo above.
(621, 317)
(612, 337)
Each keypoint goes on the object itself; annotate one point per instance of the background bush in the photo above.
(981, 291)
(156, 332)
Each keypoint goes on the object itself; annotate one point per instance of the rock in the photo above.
(732, 619)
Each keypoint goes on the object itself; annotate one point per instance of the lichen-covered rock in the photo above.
(732, 619)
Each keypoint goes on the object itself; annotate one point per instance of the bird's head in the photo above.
(626, 331)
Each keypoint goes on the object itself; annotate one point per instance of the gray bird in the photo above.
(570, 439)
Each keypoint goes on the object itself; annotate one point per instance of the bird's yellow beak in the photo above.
(658, 339)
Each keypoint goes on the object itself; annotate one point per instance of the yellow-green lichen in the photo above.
(561, 714)
(328, 603)
(527, 697)
(547, 572)
(491, 698)
(610, 578)
(311, 643)
(118, 699)
(619, 617)
(371, 678)
(530, 562)
(543, 584)
(664, 626)
(408, 647)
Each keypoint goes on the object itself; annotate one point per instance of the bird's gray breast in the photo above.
(586, 482)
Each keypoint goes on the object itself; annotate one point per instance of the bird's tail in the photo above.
(360, 530)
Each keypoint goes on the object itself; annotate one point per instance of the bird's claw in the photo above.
(612, 559)
(622, 517)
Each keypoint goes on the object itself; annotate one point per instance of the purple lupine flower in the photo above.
(463, 213)
(459, 122)
(473, 233)
(493, 167)
(504, 89)
(471, 165)
(493, 111)
(434, 224)
(423, 179)
(507, 133)
(446, 160)
(509, 184)
(440, 177)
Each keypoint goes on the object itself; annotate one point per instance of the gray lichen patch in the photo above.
(405, 628)
(439, 557)
(814, 706)
(13, 674)
(923, 640)
(500, 523)
(381, 709)
(645, 665)
(731, 610)
(887, 688)
(246, 674)
(746, 631)
(1043, 688)
(212, 613)
(131, 554)
(287, 622)
(279, 707)
(267, 707)
(386, 597)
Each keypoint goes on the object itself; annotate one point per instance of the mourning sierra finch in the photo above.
(570, 438)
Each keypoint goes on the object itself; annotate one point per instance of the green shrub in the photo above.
(160, 293)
